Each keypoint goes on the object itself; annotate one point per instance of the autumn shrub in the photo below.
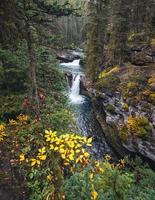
(59, 166)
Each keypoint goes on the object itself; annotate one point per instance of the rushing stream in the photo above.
(85, 119)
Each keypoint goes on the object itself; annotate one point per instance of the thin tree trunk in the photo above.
(32, 62)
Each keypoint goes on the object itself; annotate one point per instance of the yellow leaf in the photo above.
(78, 151)
(42, 157)
(71, 157)
(94, 195)
(51, 147)
(56, 148)
(91, 176)
(49, 177)
(89, 140)
(42, 150)
(22, 157)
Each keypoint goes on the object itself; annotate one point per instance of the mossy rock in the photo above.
(153, 42)
(108, 84)
(123, 133)
(138, 126)
(151, 83)
(110, 108)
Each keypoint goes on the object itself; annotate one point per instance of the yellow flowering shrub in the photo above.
(12, 122)
(22, 118)
(2, 132)
(70, 147)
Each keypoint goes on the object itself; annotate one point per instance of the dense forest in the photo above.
(77, 100)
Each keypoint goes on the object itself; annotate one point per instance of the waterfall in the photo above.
(74, 94)
(75, 63)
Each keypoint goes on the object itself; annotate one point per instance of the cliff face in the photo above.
(124, 102)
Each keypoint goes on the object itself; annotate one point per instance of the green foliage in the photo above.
(113, 183)
(77, 187)
(39, 189)
(11, 106)
(13, 70)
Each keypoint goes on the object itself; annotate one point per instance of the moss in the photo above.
(151, 83)
(130, 37)
(108, 84)
(139, 78)
(110, 108)
(153, 41)
(146, 93)
(123, 133)
(142, 121)
(135, 126)
(131, 86)
(136, 38)
(138, 126)
(125, 107)
(151, 80)
(152, 98)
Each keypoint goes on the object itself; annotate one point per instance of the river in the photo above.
(85, 119)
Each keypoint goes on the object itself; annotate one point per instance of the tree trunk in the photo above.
(32, 71)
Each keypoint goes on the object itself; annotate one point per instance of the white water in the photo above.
(74, 94)
(74, 64)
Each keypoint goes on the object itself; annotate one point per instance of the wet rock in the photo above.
(69, 76)
(141, 58)
(112, 121)
(69, 55)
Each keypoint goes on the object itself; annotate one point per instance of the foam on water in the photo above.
(74, 64)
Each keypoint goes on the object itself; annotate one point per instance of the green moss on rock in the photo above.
(110, 108)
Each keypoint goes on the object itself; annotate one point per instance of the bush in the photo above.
(137, 126)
